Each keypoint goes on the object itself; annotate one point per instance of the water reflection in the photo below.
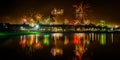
(30, 43)
(112, 37)
(66, 41)
(56, 49)
(80, 45)
(46, 40)
(57, 43)
(102, 39)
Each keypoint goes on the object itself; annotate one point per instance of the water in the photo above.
(61, 46)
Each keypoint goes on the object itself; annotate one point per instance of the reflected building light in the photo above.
(112, 37)
(46, 40)
(31, 39)
(102, 39)
(23, 41)
(93, 36)
(66, 41)
(36, 38)
(56, 36)
(98, 37)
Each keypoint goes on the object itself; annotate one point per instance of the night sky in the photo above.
(107, 10)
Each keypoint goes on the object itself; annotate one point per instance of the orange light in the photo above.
(37, 45)
(31, 39)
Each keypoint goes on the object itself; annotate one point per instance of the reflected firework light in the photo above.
(56, 51)
(38, 45)
(76, 40)
(79, 50)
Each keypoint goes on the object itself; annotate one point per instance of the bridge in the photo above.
(72, 28)
(58, 28)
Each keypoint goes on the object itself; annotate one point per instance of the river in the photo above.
(61, 46)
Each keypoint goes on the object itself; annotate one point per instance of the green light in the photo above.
(102, 39)
(47, 35)
(46, 40)
(17, 33)
(2, 34)
(33, 32)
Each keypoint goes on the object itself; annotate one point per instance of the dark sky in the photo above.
(107, 10)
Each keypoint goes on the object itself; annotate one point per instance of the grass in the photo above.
(17, 33)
